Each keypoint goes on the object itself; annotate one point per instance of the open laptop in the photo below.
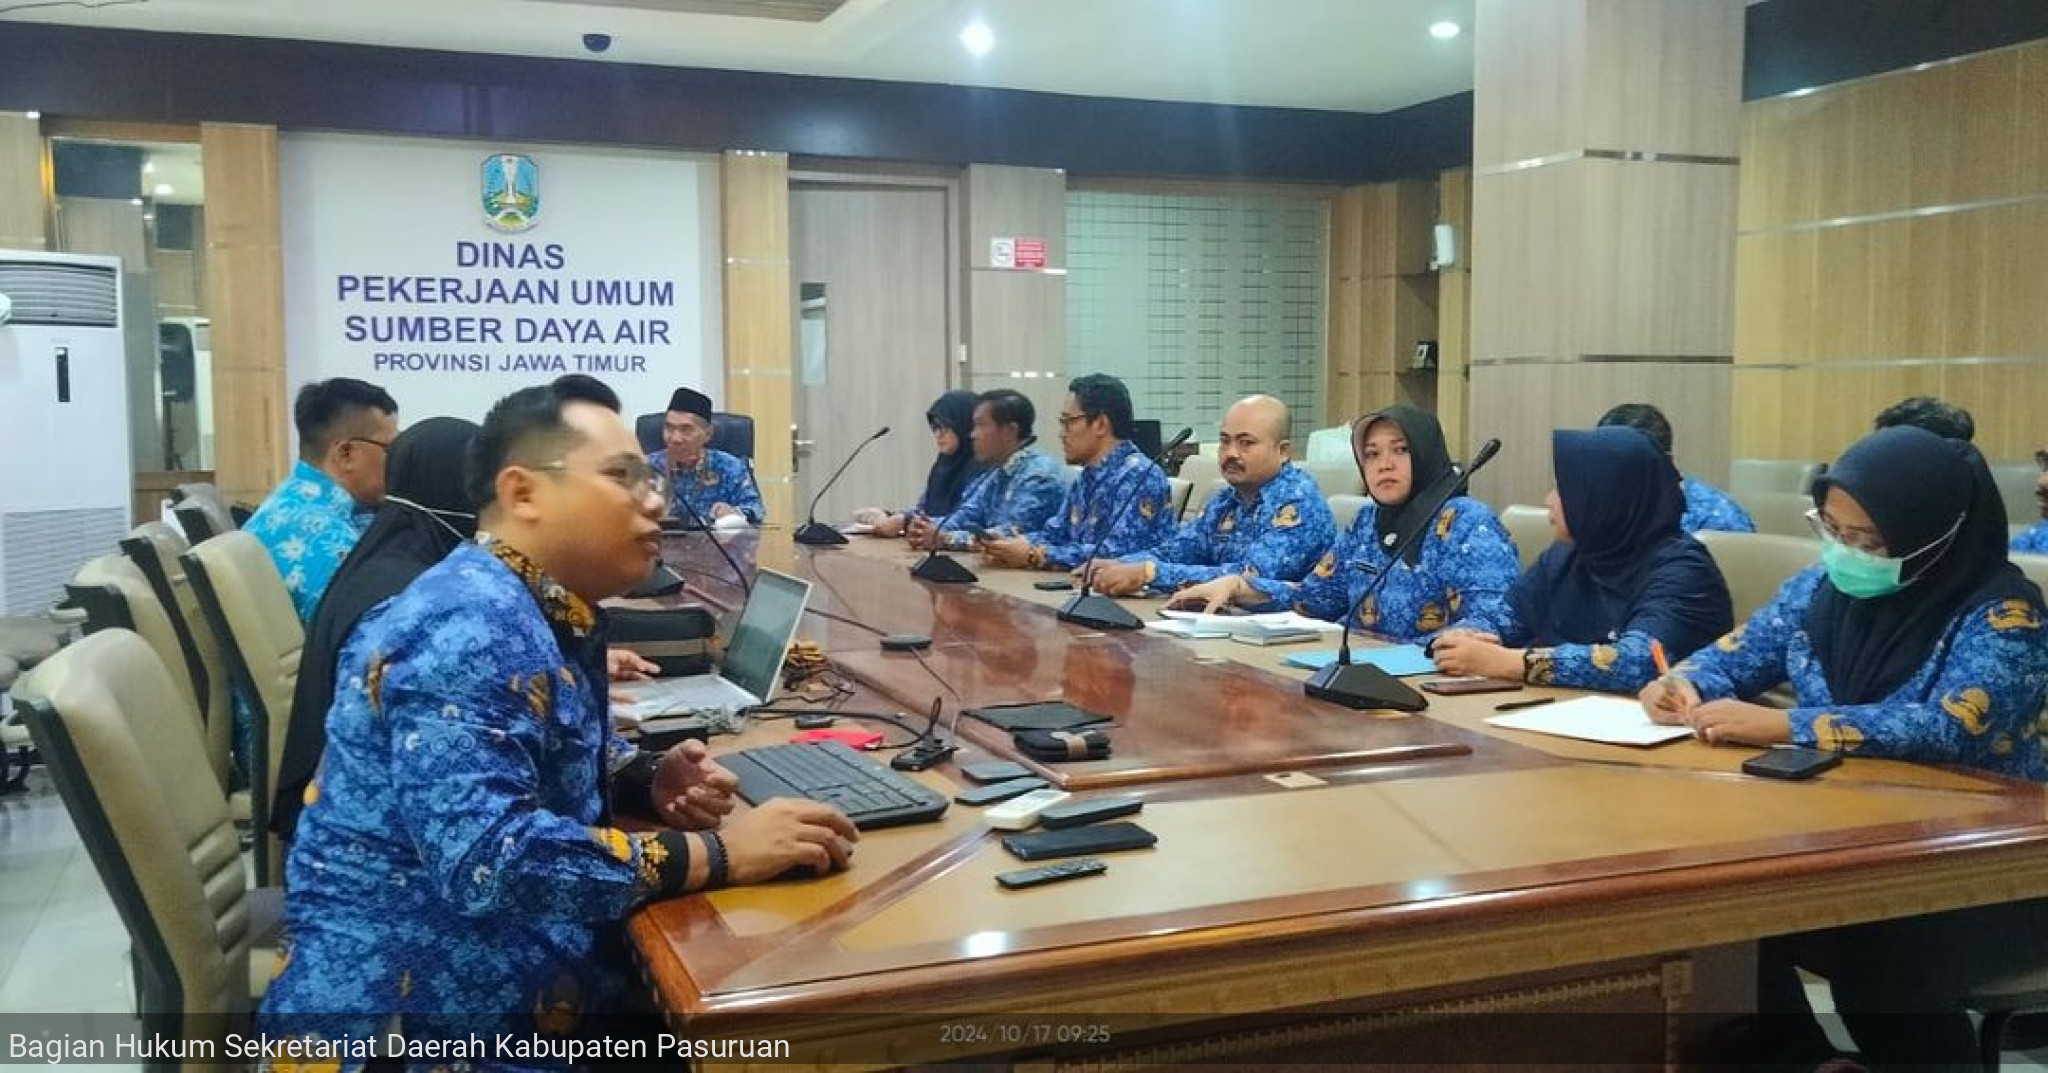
(753, 658)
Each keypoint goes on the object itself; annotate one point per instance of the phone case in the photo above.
(1460, 687)
(995, 771)
(1000, 791)
(1790, 763)
(1075, 841)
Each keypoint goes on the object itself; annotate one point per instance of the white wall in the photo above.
(383, 233)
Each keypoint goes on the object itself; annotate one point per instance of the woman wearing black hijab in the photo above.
(1622, 578)
(425, 514)
(1464, 560)
(1915, 639)
(952, 423)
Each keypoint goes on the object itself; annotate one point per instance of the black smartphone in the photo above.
(995, 771)
(1053, 585)
(814, 721)
(1001, 791)
(1075, 841)
(1790, 763)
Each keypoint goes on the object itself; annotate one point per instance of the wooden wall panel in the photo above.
(1646, 90)
(24, 212)
(1883, 255)
(1529, 79)
(1382, 297)
(1454, 312)
(1017, 320)
(245, 280)
(759, 313)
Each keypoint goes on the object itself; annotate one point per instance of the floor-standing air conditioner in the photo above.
(65, 482)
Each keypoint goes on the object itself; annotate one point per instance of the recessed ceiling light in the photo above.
(977, 38)
(149, 167)
(32, 116)
(1444, 30)
(164, 190)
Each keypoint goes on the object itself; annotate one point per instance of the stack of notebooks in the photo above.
(1272, 628)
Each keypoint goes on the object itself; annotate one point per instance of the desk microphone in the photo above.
(1362, 685)
(1088, 608)
(815, 533)
(712, 536)
(939, 566)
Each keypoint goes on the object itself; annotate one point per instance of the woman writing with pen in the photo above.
(1916, 639)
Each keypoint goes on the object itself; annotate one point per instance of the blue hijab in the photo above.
(1622, 504)
(1915, 486)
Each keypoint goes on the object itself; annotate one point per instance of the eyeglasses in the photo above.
(632, 474)
(1067, 420)
(384, 445)
(1825, 530)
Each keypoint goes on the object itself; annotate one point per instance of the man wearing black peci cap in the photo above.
(703, 482)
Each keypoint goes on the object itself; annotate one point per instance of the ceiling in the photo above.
(1341, 55)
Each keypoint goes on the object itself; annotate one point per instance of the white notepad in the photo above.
(1615, 720)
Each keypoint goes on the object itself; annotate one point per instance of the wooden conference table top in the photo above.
(1446, 850)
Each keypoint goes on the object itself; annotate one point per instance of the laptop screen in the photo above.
(760, 642)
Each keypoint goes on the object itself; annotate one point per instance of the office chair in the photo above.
(114, 595)
(259, 632)
(158, 551)
(201, 511)
(731, 433)
(1756, 565)
(1530, 528)
(1145, 437)
(163, 844)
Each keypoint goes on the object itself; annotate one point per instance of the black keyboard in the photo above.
(871, 795)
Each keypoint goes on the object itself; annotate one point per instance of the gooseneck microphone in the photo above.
(1090, 608)
(813, 532)
(1362, 685)
(746, 586)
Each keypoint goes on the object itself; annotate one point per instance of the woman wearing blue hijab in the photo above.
(1917, 639)
(1622, 575)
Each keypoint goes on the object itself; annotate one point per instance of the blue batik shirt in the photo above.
(2032, 541)
(456, 867)
(1120, 503)
(1279, 534)
(717, 478)
(1467, 563)
(1012, 499)
(1708, 507)
(309, 524)
(1977, 703)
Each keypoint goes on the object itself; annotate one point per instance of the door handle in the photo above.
(798, 448)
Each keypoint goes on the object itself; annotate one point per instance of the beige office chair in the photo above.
(2016, 482)
(158, 551)
(1755, 565)
(202, 511)
(115, 596)
(1200, 471)
(1345, 508)
(1180, 489)
(252, 617)
(1530, 526)
(1336, 478)
(1781, 513)
(1758, 476)
(165, 847)
(2035, 567)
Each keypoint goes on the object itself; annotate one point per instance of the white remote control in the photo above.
(1019, 813)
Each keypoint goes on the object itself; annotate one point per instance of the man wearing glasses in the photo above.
(1120, 500)
(2034, 541)
(704, 483)
(312, 520)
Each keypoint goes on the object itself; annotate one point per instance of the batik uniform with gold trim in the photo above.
(1013, 498)
(2033, 540)
(456, 868)
(1977, 702)
(718, 478)
(1121, 502)
(1280, 534)
(1708, 507)
(1467, 563)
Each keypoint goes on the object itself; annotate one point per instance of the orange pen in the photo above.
(1657, 656)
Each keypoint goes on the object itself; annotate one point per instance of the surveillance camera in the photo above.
(597, 42)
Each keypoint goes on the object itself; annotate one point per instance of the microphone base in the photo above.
(661, 581)
(818, 533)
(945, 569)
(1101, 612)
(1362, 686)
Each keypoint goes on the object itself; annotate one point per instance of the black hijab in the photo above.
(1914, 485)
(950, 474)
(425, 514)
(1429, 462)
(1622, 504)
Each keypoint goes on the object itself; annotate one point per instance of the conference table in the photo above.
(1327, 883)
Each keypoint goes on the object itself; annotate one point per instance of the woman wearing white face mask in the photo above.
(1915, 639)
